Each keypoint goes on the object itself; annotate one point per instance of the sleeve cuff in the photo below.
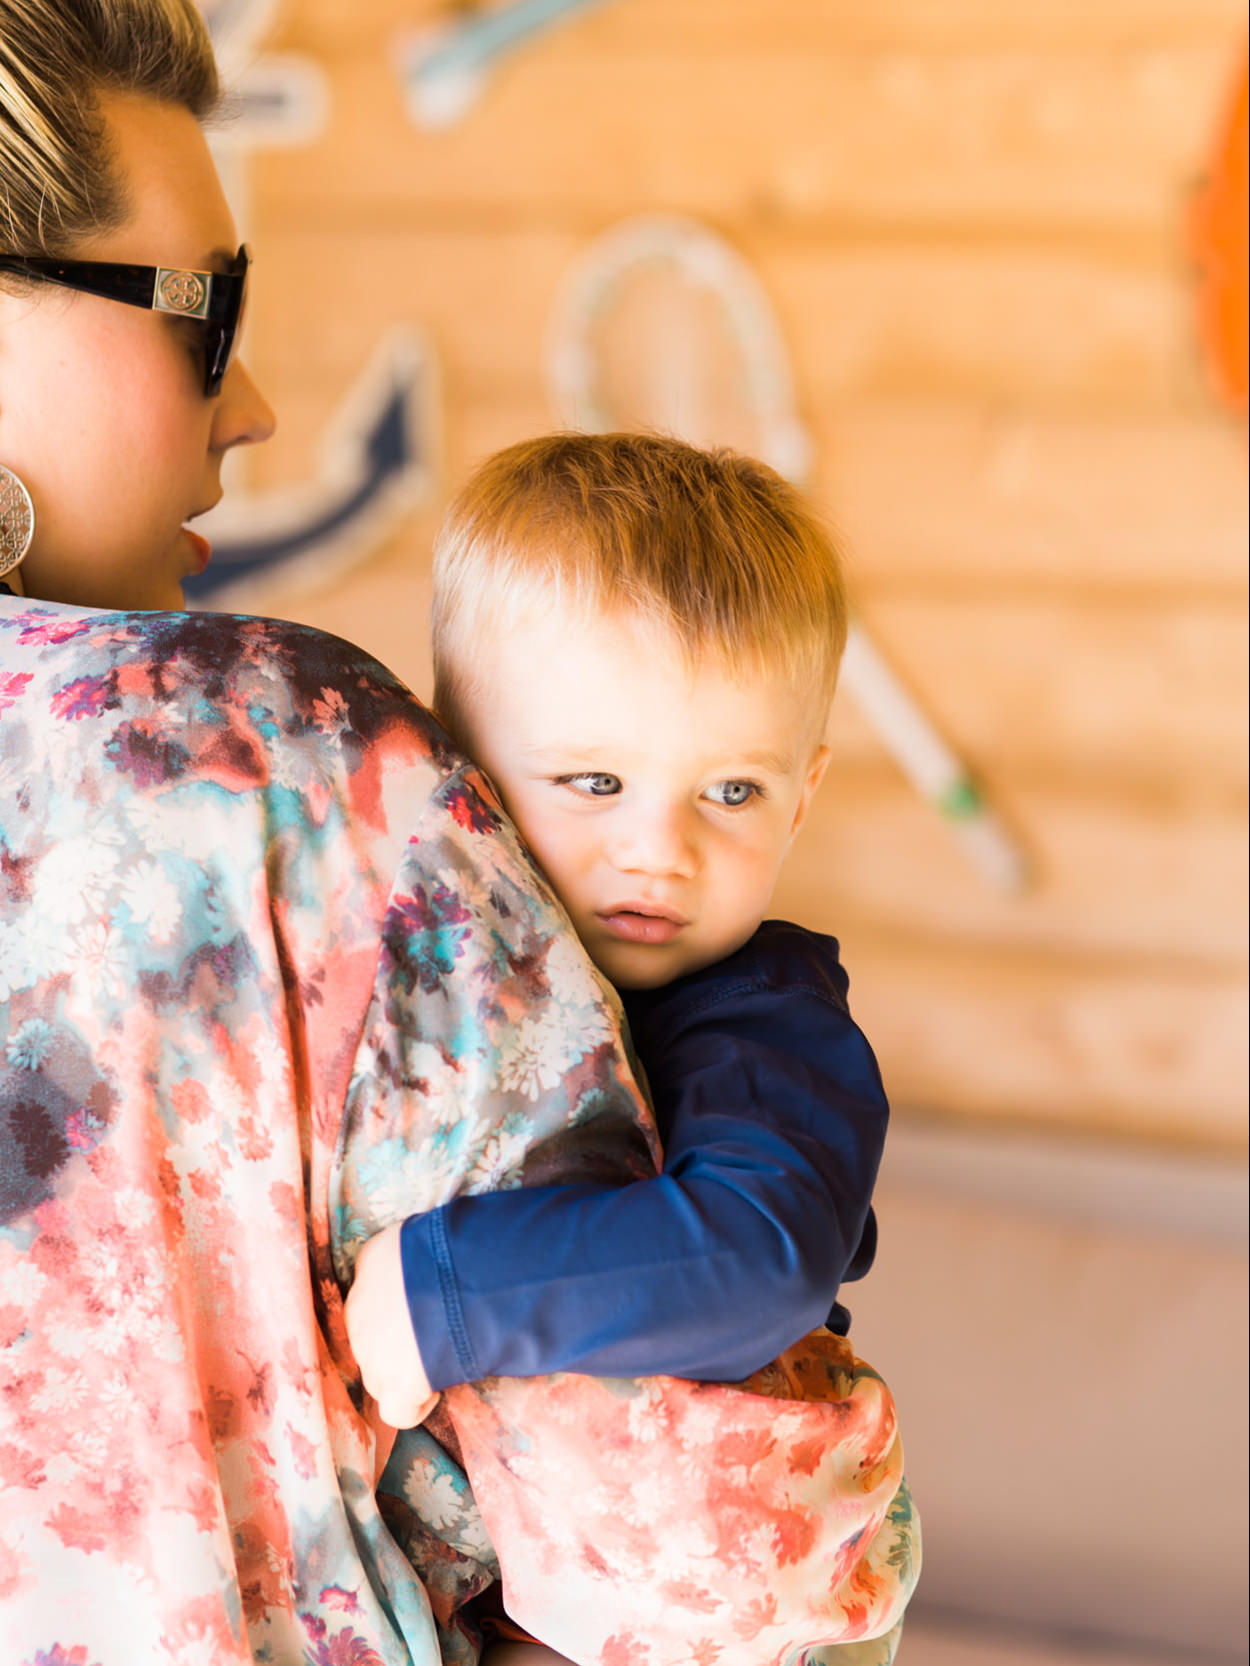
(433, 1295)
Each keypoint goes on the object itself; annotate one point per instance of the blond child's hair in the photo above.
(714, 546)
(58, 183)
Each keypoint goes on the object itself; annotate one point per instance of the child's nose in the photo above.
(660, 842)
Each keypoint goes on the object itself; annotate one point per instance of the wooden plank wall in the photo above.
(971, 218)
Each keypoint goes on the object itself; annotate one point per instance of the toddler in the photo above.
(638, 641)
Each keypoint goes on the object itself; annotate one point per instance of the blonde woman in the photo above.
(275, 974)
(272, 969)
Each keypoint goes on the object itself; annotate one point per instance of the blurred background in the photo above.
(975, 274)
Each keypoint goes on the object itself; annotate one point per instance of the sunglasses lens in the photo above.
(222, 338)
(215, 348)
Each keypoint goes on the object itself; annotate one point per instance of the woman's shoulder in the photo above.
(216, 644)
(256, 686)
(219, 646)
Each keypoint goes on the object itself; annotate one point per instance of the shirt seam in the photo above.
(449, 1290)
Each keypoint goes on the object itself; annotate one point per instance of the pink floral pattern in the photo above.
(772, 1519)
(274, 972)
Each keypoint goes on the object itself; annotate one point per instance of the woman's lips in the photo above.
(633, 926)
(201, 549)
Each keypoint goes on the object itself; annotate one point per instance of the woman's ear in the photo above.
(815, 775)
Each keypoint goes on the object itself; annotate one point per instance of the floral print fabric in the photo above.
(763, 1483)
(213, 1086)
(274, 972)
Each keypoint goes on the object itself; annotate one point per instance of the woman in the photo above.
(274, 974)
(229, 1049)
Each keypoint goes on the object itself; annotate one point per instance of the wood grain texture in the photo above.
(1060, 332)
(1000, 498)
(1113, 873)
(1123, 1045)
(971, 220)
(1094, 142)
(826, 27)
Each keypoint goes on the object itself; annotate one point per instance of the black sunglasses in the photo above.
(215, 298)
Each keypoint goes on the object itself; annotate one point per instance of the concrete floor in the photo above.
(930, 1642)
(1063, 1325)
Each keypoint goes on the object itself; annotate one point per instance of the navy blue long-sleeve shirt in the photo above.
(773, 1117)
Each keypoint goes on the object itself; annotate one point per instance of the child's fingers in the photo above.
(380, 1332)
(403, 1410)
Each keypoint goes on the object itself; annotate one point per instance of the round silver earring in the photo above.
(17, 520)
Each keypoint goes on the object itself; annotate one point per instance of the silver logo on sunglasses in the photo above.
(182, 292)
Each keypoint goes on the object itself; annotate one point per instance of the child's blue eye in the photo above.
(596, 784)
(733, 794)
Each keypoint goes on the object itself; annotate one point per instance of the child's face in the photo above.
(660, 802)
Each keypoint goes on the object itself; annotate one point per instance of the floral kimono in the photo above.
(274, 973)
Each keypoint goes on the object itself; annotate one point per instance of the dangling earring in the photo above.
(17, 520)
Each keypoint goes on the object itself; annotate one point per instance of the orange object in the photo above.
(1220, 218)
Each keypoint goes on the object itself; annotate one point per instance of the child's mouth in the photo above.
(634, 927)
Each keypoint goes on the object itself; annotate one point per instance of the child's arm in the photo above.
(774, 1117)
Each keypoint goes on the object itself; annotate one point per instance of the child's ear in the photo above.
(815, 775)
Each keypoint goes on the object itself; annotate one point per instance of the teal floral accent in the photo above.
(275, 974)
(30, 1047)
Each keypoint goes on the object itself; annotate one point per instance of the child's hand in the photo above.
(381, 1335)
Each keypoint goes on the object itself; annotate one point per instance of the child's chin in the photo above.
(635, 969)
(630, 968)
(633, 981)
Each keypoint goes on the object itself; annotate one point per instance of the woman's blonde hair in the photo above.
(57, 181)
(715, 547)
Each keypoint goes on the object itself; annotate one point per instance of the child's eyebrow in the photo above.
(560, 754)
(777, 763)
(574, 756)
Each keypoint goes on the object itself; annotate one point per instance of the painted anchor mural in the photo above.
(374, 470)
(444, 68)
(376, 449)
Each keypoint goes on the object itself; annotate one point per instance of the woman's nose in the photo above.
(243, 416)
